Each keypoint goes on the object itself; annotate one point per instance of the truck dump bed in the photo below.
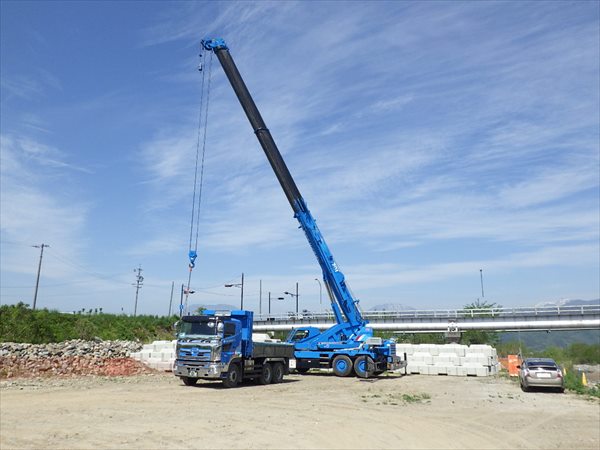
(272, 350)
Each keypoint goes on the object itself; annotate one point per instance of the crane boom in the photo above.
(342, 300)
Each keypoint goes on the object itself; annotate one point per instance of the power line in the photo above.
(85, 270)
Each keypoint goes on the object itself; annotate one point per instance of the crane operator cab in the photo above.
(301, 334)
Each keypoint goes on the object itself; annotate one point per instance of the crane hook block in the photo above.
(193, 255)
(214, 44)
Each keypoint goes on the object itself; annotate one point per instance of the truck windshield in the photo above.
(209, 328)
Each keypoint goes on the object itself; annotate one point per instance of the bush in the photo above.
(19, 323)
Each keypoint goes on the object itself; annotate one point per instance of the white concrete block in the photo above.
(477, 370)
(476, 358)
(448, 358)
(432, 349)
(440, 368)
(434, 370)
(482, 371)
(414, 368)
(405, 348)
(457, 371)
(423, 357)
(168, 356)
(145, 355)
(486, 350)
(159, 345)
(457, 349)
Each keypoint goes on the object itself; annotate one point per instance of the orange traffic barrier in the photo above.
(513, 362)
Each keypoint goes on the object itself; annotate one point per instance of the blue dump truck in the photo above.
(218, 345)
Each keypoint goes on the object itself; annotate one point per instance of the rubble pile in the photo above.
(76, 357)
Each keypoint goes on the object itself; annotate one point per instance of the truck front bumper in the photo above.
(209, 371)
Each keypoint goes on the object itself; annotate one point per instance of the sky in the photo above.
(449, 152)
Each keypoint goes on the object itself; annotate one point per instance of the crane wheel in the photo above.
(364, 366)
(342, 366)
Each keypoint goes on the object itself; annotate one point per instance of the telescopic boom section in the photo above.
(334, 279)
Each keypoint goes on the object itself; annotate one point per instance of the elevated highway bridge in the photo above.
(586, 317)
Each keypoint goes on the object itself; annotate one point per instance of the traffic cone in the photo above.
(583, 379)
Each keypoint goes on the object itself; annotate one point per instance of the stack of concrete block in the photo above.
(450, 359)
(159, 355)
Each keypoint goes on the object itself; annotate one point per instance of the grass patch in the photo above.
(397, 399)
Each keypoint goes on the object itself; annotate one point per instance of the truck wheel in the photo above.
(278, 372)
(364, 366)
(266, 374)
(189, 381)
(234, 376)
(342, 365)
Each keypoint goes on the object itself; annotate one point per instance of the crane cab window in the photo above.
(298, 335)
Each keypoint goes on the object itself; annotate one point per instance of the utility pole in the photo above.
(242, 297)
(139, 281)
(171, 301)
(37, 282)
(239, 285)
(320, 295)
(259, 297)
(294, 295)
(181, 302)
(481, 276)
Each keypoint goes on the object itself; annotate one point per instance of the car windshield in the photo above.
(208, 328)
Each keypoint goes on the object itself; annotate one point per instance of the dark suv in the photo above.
(541, 372)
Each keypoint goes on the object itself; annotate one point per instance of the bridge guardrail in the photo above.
(580, 310)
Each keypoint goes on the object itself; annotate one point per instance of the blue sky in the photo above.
(429, 139)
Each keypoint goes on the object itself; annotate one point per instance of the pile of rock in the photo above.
(76, 357)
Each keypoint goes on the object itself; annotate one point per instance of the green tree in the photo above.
(480, 308)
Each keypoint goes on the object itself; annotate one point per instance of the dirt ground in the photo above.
(310, 411)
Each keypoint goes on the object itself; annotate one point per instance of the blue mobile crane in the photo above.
(349, 346)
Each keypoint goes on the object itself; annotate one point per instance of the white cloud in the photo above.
(31, 212)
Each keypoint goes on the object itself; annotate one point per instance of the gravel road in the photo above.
(310, 411)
